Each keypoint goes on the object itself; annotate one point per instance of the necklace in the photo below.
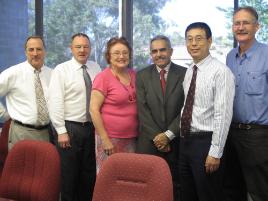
(129, 89)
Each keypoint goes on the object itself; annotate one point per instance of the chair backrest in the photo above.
(4, 144)
(133, 177)
(31, 172)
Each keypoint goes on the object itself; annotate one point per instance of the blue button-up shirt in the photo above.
(251, 91)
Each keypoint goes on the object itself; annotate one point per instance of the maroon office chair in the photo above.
(133, 177)
(4, 144)
(31, 172)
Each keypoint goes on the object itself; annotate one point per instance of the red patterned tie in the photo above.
(186, 117)
(163, 81)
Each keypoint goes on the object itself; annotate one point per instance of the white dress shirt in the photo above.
(213, 101)
(67, 93)
(17, 85)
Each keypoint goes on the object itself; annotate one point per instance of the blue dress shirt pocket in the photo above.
(255, 82)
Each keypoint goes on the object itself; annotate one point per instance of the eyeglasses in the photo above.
(118, 54)
(161, 50)
(243, 23)
(197, 39)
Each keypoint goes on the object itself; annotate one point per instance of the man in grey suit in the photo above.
(160, 98)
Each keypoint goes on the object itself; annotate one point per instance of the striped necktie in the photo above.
(42, 111)
(186, 117)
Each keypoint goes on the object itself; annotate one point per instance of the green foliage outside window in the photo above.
(99, 19)
(261, 7)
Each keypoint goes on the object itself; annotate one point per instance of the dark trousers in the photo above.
(234, 186)
(172, 159)
(78, 163)
(246, 165)
(196, 184)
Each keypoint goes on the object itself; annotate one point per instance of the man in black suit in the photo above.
(160, 99)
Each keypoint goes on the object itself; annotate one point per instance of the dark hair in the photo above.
(161, 37)
(112, 42)
(34, 37)
(80, 35)
(199, 25)
(249, 9)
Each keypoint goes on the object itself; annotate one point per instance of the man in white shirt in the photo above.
(68, 106)
(206, 117)
(18, 86)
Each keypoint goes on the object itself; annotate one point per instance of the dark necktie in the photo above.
(163, 81)
(88, 84)
(186, 117)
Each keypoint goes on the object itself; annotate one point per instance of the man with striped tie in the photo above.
(205, 119)
(25, 87)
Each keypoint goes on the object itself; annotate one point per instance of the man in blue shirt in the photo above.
(247, 146)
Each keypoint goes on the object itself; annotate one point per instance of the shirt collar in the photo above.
(31, 68)
(76, 64)
(166, 68)
(201, 65)
(248, 54)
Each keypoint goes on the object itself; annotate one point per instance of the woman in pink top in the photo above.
(113, 106)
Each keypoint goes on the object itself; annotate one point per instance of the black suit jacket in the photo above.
(158, 114)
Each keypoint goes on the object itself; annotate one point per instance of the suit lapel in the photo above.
(156, 83)
(172, 80)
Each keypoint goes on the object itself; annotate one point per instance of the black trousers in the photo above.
(246, 165)
(78, 163)
(196, 184)
(172, 159)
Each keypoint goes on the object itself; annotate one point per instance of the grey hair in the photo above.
(161, 37)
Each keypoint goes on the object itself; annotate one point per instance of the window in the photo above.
(99, 19)
(62, 19)
(14, 20)
(31, 17)
(171, 18)
(261, 6)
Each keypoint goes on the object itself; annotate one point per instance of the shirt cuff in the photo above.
(61, 130)
(215, 152)
(170, 135)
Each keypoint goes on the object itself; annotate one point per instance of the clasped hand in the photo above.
(161, 141)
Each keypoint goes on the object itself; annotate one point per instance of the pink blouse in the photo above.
(119, 109)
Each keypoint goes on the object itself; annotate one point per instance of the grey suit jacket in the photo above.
(158, 114)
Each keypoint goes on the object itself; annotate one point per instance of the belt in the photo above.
(40, 127)
(198, 134)
(87, 123)
(248, 126)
